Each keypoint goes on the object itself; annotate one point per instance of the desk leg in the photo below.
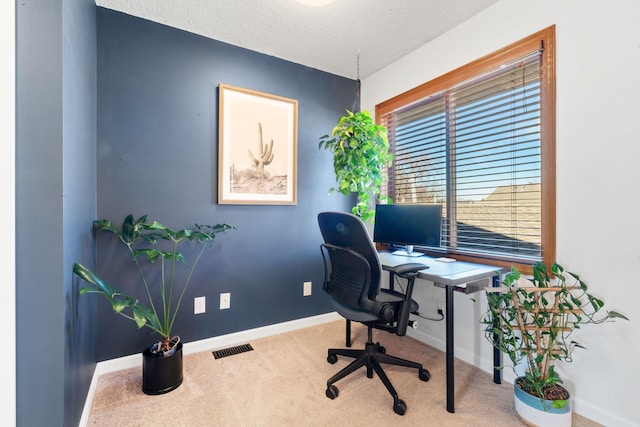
(497, 354)
(449, 348)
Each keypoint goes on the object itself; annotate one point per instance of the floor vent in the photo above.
(232, 351)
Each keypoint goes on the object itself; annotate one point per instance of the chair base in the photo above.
(373, 356)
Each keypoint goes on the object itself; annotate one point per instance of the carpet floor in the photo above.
(282, 382)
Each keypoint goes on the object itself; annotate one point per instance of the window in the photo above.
(480, 140)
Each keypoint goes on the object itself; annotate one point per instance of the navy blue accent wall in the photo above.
(158, 155)
(55, 203)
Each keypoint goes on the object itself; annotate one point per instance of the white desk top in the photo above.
(457, 273)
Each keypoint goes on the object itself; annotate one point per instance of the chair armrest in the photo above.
(407, 271)
(412, 267)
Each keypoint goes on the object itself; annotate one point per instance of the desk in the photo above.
(458, 276)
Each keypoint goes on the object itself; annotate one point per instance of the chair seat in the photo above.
(354, 313)
(360, 315)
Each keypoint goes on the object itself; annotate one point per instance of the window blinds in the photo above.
(475, 148)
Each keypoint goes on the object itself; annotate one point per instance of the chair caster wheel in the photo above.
(424, 375)
(332, 358)
(332, 392)
(399, 407)
(369, 372)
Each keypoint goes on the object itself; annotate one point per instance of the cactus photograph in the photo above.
(257, 147)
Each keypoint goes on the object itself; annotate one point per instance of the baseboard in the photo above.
(243, 337)
(208, 344)
(483, 364)
(597, 414)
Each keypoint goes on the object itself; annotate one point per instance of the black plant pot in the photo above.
(161, 374)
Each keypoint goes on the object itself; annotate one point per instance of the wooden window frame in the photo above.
(545, 39)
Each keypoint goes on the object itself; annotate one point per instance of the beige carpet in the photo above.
(282, 382)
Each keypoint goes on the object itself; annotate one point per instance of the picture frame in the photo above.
(257, 147)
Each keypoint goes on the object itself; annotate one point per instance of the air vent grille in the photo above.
(231, 351)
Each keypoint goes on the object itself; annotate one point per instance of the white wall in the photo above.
(598, 226)
(7, 205)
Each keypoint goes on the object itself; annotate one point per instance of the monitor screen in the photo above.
(408, 225)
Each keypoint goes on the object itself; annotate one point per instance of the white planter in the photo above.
(536, 413)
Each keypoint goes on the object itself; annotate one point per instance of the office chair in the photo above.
(353, 281)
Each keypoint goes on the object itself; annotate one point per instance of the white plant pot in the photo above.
(534, 412)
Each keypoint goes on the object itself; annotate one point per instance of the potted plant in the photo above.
(360, 159)
(534, 320)
(162, 362)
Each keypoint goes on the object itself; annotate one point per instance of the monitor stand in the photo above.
(408, 252)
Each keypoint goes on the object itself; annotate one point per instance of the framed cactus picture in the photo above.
(257, 147)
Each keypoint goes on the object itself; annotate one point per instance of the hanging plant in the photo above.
(360, 160)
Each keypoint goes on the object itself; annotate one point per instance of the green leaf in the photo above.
(143, 315)
(615, 315)
(131, 228)
(106, 225)
(90, 277)
(155, 225)
(559, 404)
(151, 255)
(120, 304)
(173, 256)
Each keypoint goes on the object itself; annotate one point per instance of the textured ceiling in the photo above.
(329, 38)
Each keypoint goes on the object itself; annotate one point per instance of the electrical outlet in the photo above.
(225, 301)
(199, 305)
(306, 289)
(440, 306)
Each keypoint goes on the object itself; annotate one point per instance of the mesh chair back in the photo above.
(356, 254)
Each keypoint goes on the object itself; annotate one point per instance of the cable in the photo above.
(399, 284)
(434, 319)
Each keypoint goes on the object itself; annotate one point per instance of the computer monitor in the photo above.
(408, 225)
